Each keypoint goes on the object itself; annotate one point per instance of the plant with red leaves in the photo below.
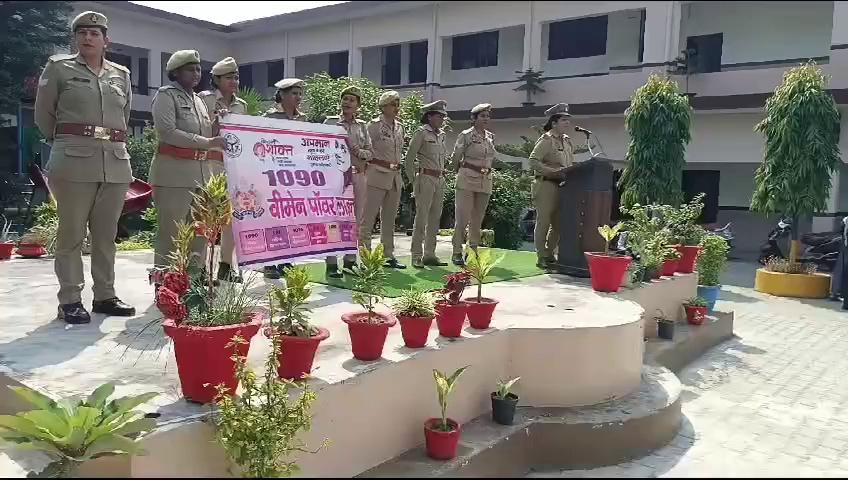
(455, 284)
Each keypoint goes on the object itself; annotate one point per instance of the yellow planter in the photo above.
(792, 284)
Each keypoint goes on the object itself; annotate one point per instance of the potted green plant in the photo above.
(368, 330)
(665, 326)
(687, 232)
(450, 308)
(711, 263)
(32, 244)
(504, 402)
(696, 310)
(441, 435)
(73, 431)
(200, 316)
(6, 243)
(607, 270)
(671, 258)
(479, 264)
(298, 338)
(415, 310)
(259, 428)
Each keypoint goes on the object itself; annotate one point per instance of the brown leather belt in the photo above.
(184, 153)
(431, 172)
(383, 163)
(215, 155)
(100, 133)
(477, 169)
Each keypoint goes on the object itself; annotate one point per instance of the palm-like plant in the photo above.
(211, 211)
(73, 431)
(479, 265)
(256, 102)
(369, 283)
(444, 387)
(290, 301)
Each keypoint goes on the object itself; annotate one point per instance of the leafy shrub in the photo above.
(510, 195)
(142, 149)
(415, 303)
(782, 265)
(712, 259)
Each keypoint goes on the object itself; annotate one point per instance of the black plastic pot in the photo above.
(503, 409)
(665, 329)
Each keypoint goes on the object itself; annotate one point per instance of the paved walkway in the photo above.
(773, 402)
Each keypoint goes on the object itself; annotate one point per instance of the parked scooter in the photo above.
(821, 249)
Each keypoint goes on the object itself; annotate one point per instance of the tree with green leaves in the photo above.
(658, 121)
(801, 130)
(30, 32)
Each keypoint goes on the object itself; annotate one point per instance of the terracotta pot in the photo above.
(607, 271)
(451, 318)
(441, 445)
(688, 257)
(695, 315)
(297, 354)
(31, 250)
(669, 267)
(6, 250)
(480, 314)
(367, 339)
(203, 359)
(415, 330)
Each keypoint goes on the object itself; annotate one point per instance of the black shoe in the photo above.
(271, 272)
(349, 267)
(227, 274)
(283, 267)
(74, 314)
(113, 307)
(393, 263)
(458, 260)
(434, 262)
(333, 272)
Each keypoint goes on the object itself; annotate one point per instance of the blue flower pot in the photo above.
(710, 294)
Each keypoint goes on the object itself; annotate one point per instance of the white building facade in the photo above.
(593, 55)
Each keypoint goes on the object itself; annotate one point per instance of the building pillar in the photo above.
(839, 35)
(662, 35)
(434, 56)
(154, 68)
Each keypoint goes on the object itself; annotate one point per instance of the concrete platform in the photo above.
(689, 342)
(571, 346)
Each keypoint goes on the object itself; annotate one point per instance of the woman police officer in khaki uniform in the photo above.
(360, 153)
(428, 148)
(219, 102)
(182, 162)
(83, 107)
(473, 155)
(553, 153)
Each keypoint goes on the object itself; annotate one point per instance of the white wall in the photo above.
(322, 39)
(409, 26)
(758, 31)
(510, 58)
(260, 49)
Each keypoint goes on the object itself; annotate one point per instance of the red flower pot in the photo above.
(480, 314)
(203, 358)
(668, 268)
(607, 271)
(450, 318)
(367, 339)
(695, 315)
(31, 250)
(297, 354)
(441, 445)
(415, 330)
(689, 255)
(6, 250)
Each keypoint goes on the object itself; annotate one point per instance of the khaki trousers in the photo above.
(228, 245)
(360, 192)
(429, 198)
(470, 210)
(173, 204)
(546, 232)
(98, 207)
(386, 203)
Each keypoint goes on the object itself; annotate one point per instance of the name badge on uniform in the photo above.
(81, 80)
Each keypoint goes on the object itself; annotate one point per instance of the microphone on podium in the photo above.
(582, 130)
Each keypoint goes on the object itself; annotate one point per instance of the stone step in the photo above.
(557, 438)
(689, 342)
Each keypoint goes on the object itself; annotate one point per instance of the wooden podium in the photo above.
(585, 203)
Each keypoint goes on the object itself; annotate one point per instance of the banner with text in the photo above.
(292, 198)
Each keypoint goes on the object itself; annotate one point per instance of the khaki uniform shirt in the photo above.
(276, 112)
(182, 120)
(479, 150)
(387, 144)
(70, 92)
(428, 147)
(551, 154)
(215, 101)
(357, 132)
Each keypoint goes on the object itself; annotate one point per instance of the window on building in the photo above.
(418, 62)
(338, 65)
(205, 77)
(707, 56)
(578, 38)
(706, 181)
(391, 65)
(276, 71)
(475, 51)
(246, 76)
(143, 76)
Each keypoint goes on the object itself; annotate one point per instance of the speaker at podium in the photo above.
(587, 200)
